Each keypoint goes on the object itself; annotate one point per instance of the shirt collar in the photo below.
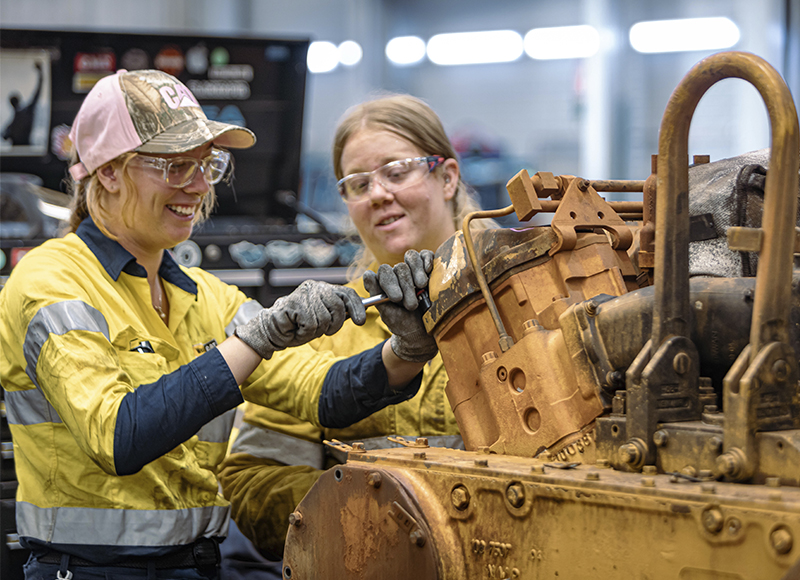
(116, 259)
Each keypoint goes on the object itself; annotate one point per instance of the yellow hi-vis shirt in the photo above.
(77, 334)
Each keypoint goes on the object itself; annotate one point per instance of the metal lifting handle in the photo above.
(773, 283)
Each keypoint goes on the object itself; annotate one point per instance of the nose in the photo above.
(378, 194)
(198, 185)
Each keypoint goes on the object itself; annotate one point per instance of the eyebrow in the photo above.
(382, 162)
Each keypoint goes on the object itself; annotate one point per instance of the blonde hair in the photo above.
(413, 120)
(89, 197)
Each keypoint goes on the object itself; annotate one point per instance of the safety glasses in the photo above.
(180, 171)
(393, 177)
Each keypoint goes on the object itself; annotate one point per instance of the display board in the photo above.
(255, 82)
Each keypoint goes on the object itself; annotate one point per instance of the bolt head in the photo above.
(780, 368)
(713, 520)
(660, 438)
(515, 494)
(681, 363)
(295, 519)
(374, 479)
(781, 540)
(460, 497)
(734, 525)
(417, 538)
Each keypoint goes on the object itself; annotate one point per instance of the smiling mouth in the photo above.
(389, 220)
(183, 210)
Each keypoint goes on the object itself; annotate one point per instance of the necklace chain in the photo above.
(159, 306)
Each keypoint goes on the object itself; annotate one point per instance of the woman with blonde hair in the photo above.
(399, 179)
(122, 369)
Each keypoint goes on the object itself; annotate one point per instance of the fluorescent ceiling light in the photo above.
(350, 53)
(322, 57)
(405, 50)
(475, 47)
(683, 35)
(562, 42)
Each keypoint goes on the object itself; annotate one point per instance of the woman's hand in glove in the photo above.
(314, 308)
(410, 341)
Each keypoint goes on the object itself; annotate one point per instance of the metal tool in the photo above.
(422, 296)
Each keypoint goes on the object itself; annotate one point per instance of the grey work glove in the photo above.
(313, 309)
(410, 341)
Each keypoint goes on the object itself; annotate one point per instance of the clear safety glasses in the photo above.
(393, 177)
(180, 171)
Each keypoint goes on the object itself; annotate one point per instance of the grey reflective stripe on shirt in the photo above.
(59, 318)
(218, 430)
(29, 408)
(246, 312)
(268, 444)
(117, 527)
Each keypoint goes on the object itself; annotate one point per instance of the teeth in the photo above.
(181, 209)
(388, 221)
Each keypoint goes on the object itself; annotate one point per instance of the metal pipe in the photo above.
(505, 341)
(618, 185)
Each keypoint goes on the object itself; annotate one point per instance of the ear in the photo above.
(450, 173)
(109, 177)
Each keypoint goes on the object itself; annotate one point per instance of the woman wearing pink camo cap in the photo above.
(122, 370)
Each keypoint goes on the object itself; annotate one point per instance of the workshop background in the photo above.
(586, 101)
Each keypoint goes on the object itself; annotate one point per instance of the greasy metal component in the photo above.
(780, 199)
(647, 235)
(359, 531)
(602, 378)
(418, 441)
(515, 494)
(582, 522)
(505, 341)
(658, 392)
(296, 518)
(460, 497)
(757, 398)
(582, 208)
(527, 398)
(523, 196)
(618, 185)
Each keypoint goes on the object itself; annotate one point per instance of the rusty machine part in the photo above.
(619, 423)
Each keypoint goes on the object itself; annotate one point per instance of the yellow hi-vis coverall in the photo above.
(119, 421)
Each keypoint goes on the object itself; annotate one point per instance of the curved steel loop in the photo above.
(773, 282)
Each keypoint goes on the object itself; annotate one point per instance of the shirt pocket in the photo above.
(145, 359)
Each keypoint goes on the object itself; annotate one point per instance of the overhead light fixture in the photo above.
(350, 53)
(580, 41)
(322, 57)
(475, 47)
(683, 35)
(405, 50)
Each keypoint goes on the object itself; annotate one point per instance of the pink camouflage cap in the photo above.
(147, 111)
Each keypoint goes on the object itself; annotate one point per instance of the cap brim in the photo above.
(196, 132)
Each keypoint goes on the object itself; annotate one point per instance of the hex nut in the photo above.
(295, 519)
(460, 497)
(374, 479)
